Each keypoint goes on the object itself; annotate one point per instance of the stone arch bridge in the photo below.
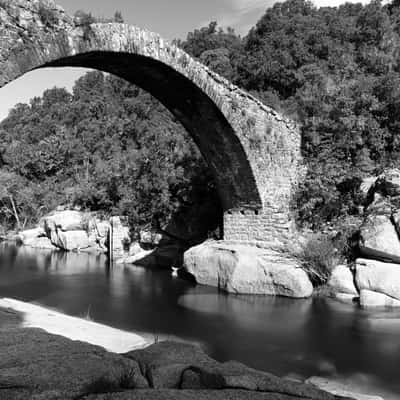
(253, 152)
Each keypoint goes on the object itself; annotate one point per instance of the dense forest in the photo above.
(109, 146)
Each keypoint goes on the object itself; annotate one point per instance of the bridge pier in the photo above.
(258, 227)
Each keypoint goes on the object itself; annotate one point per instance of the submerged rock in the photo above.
(247, 270)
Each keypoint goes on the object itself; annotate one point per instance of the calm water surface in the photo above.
(297, 337)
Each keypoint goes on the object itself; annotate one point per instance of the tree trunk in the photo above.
(15, 212)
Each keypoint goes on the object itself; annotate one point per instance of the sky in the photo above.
(170, 18)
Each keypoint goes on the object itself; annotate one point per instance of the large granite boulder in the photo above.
(73, 240)
(39, 243)
(247, 270)
(68, 220)
(169, 365)
(377, 281)
(37, 365)
(31, 234)
(342, 280)
(378, 235)
(370, 299)
(72, 230)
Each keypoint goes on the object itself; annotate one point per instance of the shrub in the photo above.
(319, 256)
(4, 3)
(82, 18)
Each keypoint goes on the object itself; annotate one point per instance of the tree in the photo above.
(118, 17)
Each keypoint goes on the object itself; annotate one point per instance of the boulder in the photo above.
(69, 220)
(369, 298)
(178, 394)
(34, 363)
(342, 280)
(137, 258)
(40, 243)
(150, 238)
(376, 276)
(102, 228)
(169, 365)
(134, 248)
(31, 234)
(73, 240)
(379, 234)
(247, 270)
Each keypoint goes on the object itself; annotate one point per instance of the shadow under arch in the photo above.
(194, 109)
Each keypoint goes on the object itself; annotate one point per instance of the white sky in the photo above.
(172, 19)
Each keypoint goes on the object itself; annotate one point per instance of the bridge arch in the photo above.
(253, 152)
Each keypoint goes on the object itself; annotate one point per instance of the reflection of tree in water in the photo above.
(8, 255)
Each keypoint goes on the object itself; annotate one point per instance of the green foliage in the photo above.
(118, 17)
(47, 16)
(109, 147)
(83, 18)
(319, 256)
(5, 3)
(336, 71)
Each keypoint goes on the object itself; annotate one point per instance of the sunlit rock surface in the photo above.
(247, 270)
(342, 280)
(378, 282)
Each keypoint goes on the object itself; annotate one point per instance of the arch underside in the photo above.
(200, 116)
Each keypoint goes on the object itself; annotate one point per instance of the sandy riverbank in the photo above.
(54, 322)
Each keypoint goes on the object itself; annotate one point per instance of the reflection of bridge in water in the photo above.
(253, 152)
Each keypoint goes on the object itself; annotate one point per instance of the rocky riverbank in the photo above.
(68, 230)
(87, 232)
(373, 279)
(37, 365)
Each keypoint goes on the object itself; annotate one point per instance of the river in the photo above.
(299, 338)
